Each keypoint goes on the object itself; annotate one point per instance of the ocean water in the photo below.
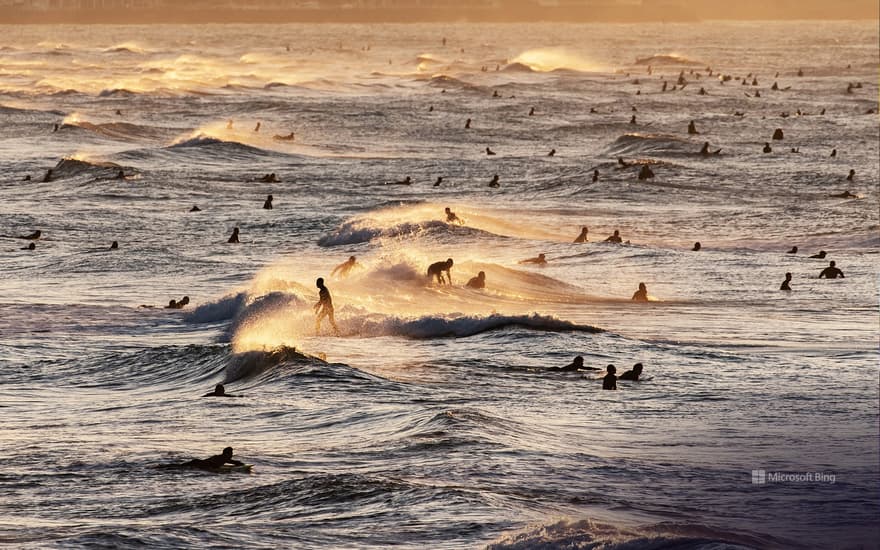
(432, 420)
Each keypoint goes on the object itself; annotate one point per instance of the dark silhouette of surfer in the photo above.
(609, 381)
(436, 270)
(793, 250)
(32, 246)
(705, 150)
(697, 247)
(33, 236)
(852, 174)
(268, 204)
(494, 182)
(576, 365)
(767, 148)
(213, 463)
(219, 391)
(595, 176)
(173, 304)
(582, 238)
(641, 295)
(233, 239)
(490, 152)
(451, 217)
(784, 285)
(324, 307)
(831, 272)
(692, 128)
(820, 256)
(632, 375)
(439, 181)
(615, 238)
(645, 172)
(114, 245)
(478, 282)
(195, 209)
(467, 124)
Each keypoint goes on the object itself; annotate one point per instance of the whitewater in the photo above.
(433, 419)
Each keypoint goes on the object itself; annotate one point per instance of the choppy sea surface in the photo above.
(433, 421)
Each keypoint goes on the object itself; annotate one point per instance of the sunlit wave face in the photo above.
(266, 333)
(72, 119)
(552, 59)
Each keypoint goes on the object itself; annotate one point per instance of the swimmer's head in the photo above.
(219, 389)
(447, 210)
(320, 282)
(578, 361)
(611, 369)
(481, 275)
(637, 368)
(832, 264)
(352, 259)
(642, 286)
(227, 452)
(184, 300)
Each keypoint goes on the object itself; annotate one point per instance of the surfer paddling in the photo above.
(213, 463)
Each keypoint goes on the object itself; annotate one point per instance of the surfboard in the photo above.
(230, 468)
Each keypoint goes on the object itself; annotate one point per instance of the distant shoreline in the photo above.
(597, 14)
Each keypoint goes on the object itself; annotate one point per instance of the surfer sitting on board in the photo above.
(641, 295)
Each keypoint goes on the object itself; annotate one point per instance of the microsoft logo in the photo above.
(759, 477)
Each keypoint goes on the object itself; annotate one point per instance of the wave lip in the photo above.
(205, 142)
(630, 145)
(668, 59)
(430, 326)
(356, 233)
(70, 167)
(588, 534)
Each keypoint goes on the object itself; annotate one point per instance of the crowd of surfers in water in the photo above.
(441, 271)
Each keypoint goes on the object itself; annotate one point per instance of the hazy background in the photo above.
(270, 11)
